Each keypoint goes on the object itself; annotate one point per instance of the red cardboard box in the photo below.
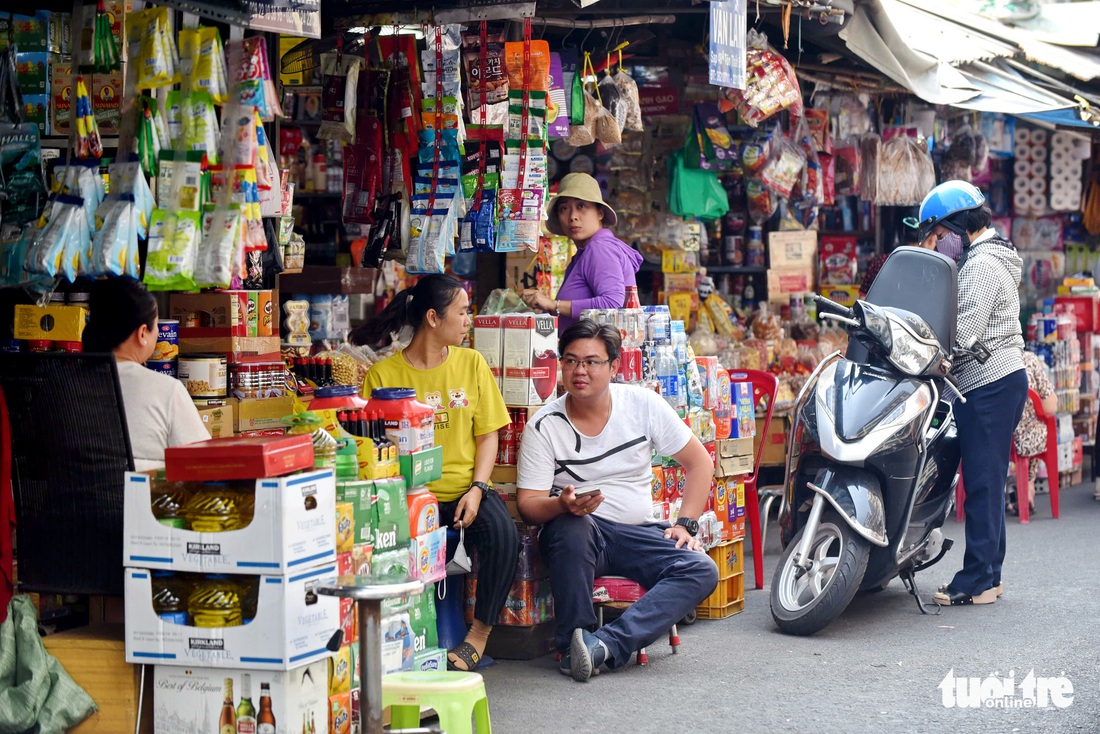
(223, 459)
(1085, 311)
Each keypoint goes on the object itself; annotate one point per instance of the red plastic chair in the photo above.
(765, 386)
(1049, 457)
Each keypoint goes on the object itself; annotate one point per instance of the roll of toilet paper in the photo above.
(1021, 168)
(1037, 186)
(1038, 153)
(1037, 203)
(1059, 156)
(1022, 136)
(1062, 169)
(1039, 137)
(1021, 183)
(1039, 169)
(1022, 151)
(1082, 149)
(1021, 202)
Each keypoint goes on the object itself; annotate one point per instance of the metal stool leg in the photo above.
(674, 639)
(767, 506)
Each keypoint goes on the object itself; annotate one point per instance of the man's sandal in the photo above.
(465, 652)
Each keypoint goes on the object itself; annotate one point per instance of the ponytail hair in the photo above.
(118, 307)
(409, 308)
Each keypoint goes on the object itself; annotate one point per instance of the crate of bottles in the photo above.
(729, 557)
(727, 591)
(279, 525)
(734, 607)
(228, 620)
(212, 700)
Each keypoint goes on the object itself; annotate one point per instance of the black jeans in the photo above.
(493, 533)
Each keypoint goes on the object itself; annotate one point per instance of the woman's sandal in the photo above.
(467, 653)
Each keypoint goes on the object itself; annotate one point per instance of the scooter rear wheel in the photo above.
(806, 601)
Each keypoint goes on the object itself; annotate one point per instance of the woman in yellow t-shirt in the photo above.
(469, 410)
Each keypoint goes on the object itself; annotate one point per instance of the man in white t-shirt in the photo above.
(584, 475)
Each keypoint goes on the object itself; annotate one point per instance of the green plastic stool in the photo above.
(456, 697)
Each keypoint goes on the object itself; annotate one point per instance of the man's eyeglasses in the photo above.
(589, 364)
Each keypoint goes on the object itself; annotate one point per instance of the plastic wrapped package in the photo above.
(338, 96)
(629, 99)
(771, 85)
(905, 172)
(870, 150)
(784, 168)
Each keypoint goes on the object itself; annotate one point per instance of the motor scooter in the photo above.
(873, 454)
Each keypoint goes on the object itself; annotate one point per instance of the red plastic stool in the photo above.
(619, 593)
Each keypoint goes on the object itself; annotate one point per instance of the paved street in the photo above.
(878, 668)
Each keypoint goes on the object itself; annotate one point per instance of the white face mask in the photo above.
(951, 245)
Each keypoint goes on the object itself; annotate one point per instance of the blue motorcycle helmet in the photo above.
(946, 200)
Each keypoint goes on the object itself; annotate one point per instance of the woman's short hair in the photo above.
(589, 329)
(117, 307)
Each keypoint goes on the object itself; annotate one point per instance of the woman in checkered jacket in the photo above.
(995, 386)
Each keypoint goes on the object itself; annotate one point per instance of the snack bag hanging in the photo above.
(173, 245)
(338, 96)
(106, 54)
(88, 142)
(153, 48)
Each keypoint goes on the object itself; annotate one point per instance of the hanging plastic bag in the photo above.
(609, 98)
(694, 192)
(153, 48)
(338, 96)
(173, 243)
(629, 99)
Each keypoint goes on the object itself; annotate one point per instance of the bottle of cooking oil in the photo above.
(170, 593)
(250, 597)
(215, 601)
(168, 499)
(324, 445)
(218, 507)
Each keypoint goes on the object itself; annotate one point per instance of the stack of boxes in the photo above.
(232, 620)
(838, 266)
(522, 352)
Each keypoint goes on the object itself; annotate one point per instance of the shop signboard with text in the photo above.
(727, 43)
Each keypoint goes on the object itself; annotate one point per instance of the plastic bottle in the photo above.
(755, 247)
(170, 592)
(668, 375)
(218, 508)
(347, 460)
(410, 424)
(167, 501)
(423, 511)
(215, 601)
(631, 299)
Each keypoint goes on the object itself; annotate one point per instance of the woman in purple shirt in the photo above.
(604, 265)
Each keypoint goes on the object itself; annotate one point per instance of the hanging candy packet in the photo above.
(88, 142)
(339, 87)
(539, 70)
(191, 194)
(126, 178)
(536, 110)
(249, 86)
(483, 58)
(152, 48)
(520, 218)
(173, 245)
(74, 261)
(478, 231)
(201, 131)
(15, 240)
(220, 244)
(784, 169)
(46, 253)
(431, 234)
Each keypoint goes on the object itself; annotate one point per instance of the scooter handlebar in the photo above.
(834, 307)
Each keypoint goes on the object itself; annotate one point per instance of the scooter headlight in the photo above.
(909, 354)
(878, 326)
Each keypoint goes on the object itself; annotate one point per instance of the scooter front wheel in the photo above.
(806, 600)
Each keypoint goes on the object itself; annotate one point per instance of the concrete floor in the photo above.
(877, 668)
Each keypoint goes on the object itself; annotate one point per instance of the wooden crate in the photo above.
(96, 659)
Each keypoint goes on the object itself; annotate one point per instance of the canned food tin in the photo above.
(70, 347)
(163, 366)
(631, 365)
(168, 340)
(203, 375)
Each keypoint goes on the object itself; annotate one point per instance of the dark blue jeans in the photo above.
(986, 422)
(578, 549)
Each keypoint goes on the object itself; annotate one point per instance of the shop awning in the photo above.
(946, 56)
(1067, 24)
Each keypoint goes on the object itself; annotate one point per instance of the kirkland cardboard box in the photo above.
(293, 528)
(190, 700)
(292, 627)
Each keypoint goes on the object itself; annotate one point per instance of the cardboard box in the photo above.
(36, 109)
(95, 657)
(743, 410)
(56, 323)
(61, 94)
(422, 467)
(290, 530)
(782, 282)
(344, 526)
(838, 263)
(489, 342)
(293, 624)
(530, 358)
(34, 71)
(217, 416)
(105, 92)
(360, 494)
(36, 32)
(845, 295)
(775, 443)
(227, 344)
(676, 282)
(434, 658)
(224, 311)
(190, 699)
(733, 457)
(258, 414)
(679, 261)
(794, 249)
(223, 459)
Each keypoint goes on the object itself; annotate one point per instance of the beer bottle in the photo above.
(265, 720)
(227, 722)
(246, 712)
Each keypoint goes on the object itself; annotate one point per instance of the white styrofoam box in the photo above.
(489, 342)
(188, 700)
(292, 627)
(294, 527)
(530, 358)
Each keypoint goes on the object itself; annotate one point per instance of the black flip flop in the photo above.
(465, 652)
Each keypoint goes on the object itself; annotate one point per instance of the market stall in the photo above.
(277, 182)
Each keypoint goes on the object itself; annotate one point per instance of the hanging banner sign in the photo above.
(303, 22)
(659, 100)
(728, 28)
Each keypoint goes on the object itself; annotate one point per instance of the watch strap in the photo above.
(483, 486)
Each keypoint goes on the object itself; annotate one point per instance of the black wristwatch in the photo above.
(486, 488)
(692, 526)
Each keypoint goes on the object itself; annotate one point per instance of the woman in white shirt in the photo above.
(159, 412)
